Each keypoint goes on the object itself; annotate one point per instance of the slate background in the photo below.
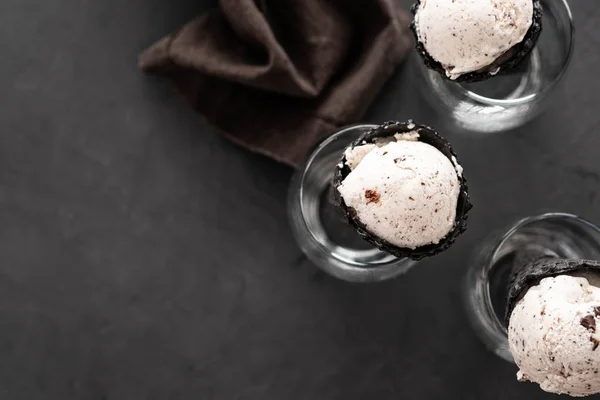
(144, 257)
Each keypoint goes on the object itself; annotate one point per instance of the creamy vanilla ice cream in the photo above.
(554, 335)
(402, 190)
(468, 35)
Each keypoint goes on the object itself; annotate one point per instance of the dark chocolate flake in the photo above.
(563, 373)
(589, 323)
(597, 311)
(372, 196)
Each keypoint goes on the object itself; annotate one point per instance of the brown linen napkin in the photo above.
(276, 76)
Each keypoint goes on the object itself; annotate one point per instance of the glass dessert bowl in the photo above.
(531, 296)
(376, 232)
(515, 86)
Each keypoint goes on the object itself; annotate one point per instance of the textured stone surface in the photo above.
(119, 210)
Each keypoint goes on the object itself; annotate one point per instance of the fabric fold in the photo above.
(277, 76)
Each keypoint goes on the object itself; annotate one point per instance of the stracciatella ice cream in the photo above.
(554, 335)
(469, 35)
(402, 190)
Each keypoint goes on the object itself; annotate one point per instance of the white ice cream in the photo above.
(404, 191)
(468, 35)
(553, 336)
(355, 155)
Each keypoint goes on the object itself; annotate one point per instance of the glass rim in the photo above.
(571, 44)
(306, 167)
(486, 298)
(315, 152)
(343, 266)
(549, 86)
(518, 226)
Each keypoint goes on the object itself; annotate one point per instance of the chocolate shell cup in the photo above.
(504, 64)
(426, 135)
(523, 277)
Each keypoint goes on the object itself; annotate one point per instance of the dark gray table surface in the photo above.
(142, 256)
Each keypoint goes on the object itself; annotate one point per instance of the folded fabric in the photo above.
(277, 76)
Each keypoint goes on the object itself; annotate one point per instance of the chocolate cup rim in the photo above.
(426, 135)
(525, 277)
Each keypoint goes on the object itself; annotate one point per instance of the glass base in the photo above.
(559, 235)
(318, 226)
(508, 100)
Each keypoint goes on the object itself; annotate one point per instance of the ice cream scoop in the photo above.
(470, 40)
(402, 188)
(554, 325)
